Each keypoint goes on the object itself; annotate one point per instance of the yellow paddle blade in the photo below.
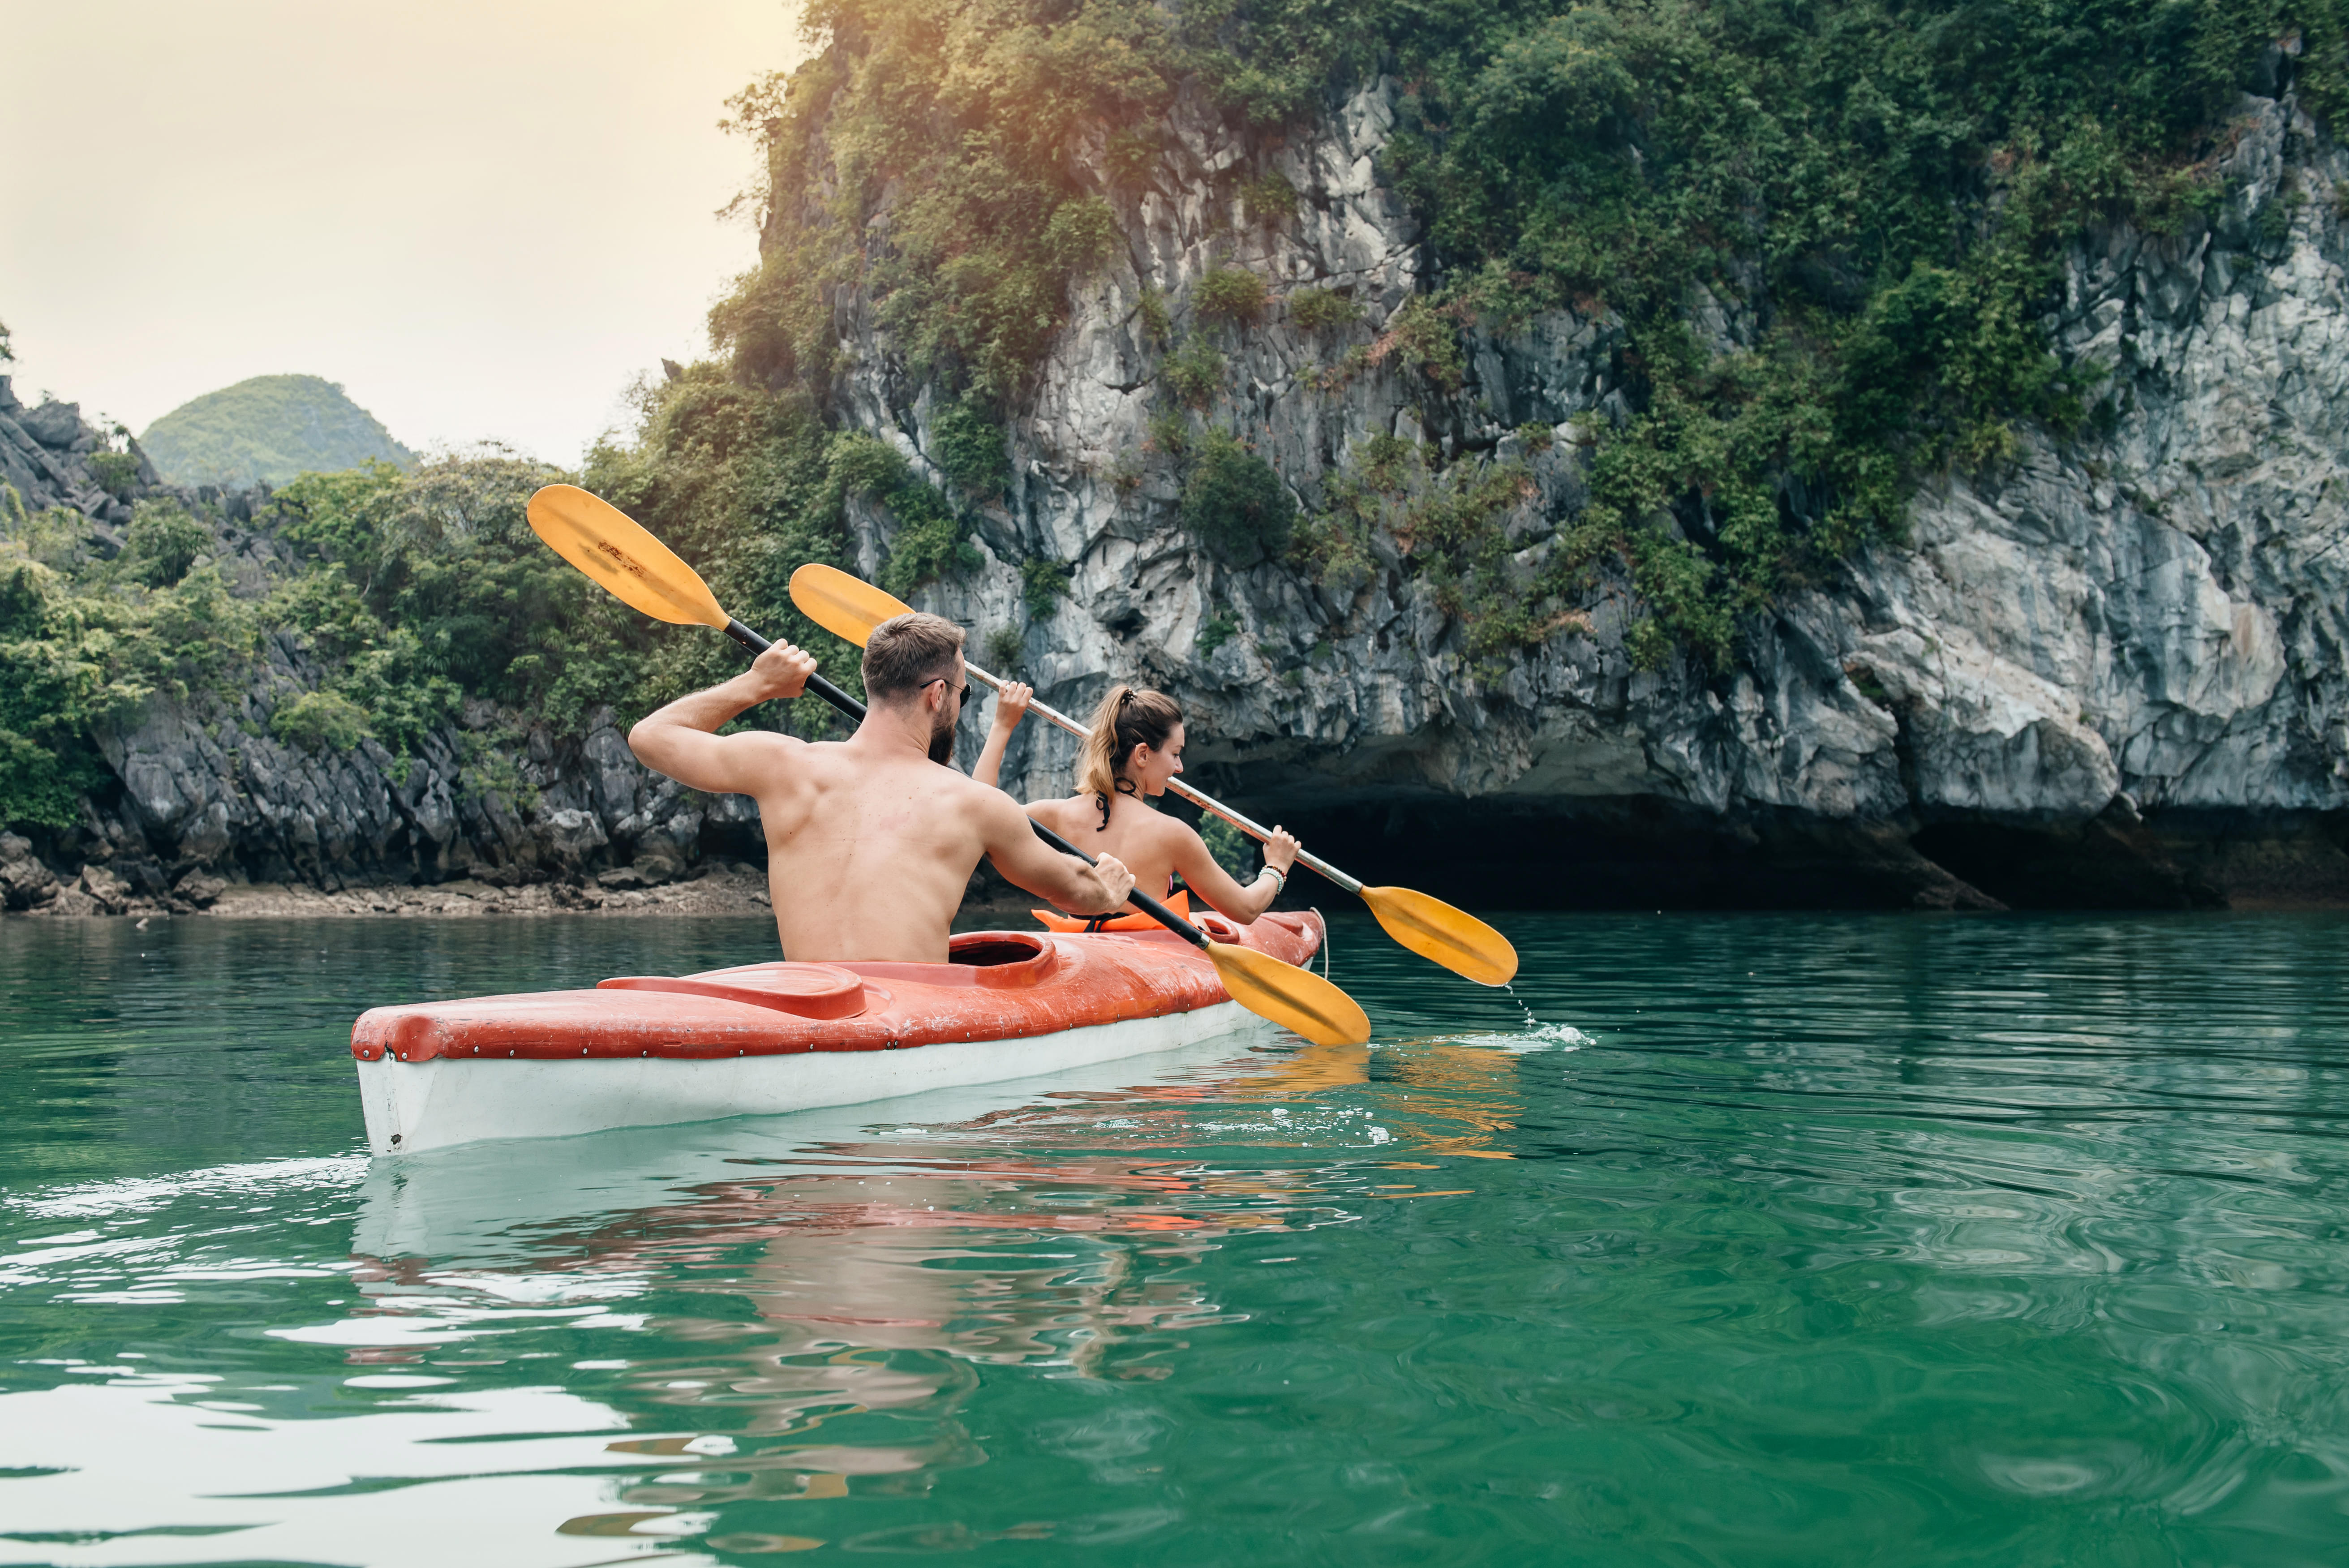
(847, 606)
(1296, 999)
(614, 550)
(1434, 929)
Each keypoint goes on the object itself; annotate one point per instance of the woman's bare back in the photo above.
(1135, 830)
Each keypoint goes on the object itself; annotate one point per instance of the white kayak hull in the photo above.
(440, 1103)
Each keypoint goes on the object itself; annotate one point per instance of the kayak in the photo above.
(766, 1038)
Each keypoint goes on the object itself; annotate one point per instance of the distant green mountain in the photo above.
(268, 429)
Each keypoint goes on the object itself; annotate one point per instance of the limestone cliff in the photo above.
(2110, 672)
(2113, 673)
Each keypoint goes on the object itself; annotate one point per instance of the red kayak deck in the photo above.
(999, 985)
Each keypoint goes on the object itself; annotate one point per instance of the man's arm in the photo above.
(680, 740)
(1027, 861)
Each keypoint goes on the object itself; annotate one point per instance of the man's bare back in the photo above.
(869, 842)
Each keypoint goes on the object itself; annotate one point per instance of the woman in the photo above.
(1134, 747)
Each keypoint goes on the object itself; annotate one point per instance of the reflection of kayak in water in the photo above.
(774, 1274)
(479, 1208)
(645, 1051)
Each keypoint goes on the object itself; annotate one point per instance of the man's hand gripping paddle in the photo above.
(616, 552)
(851, 607)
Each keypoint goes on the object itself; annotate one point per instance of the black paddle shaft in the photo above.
(818, 686)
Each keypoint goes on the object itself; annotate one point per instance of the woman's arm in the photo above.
(1010, 706)
(1213, 882)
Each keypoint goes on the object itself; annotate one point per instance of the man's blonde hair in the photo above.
(907, 653)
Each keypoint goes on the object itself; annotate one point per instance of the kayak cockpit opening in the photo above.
(988, 949)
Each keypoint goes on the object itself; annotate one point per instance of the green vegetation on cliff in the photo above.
(412, 592)
(1882, 191)
(268, 430)
(83, 643)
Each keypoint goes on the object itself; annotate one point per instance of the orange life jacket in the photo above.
(1056, 922)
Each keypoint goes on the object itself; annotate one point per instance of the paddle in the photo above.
(614, 550)
(851, 607)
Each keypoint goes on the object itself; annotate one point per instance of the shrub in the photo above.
(1426, 340)
(1157, 321)
(317, 719)
(966, 443)
(1133, 152)
(116, 471)
(929, 541)
(1235, 504)
(164, 543)
(1170, 434)
(1268, 198)
(1194, 374)
(1082, 235)
(1005, 647)
(1043, 582)
(1233, 294)
(54, 650)
(1320, 309)
(1214, 631)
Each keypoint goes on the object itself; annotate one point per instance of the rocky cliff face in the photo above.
(205, 795)
(45, 457)
(2115, 672)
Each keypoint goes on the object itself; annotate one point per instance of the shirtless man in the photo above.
(869, 840)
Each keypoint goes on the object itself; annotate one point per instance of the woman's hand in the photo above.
(1280, 849)
(1011, 700)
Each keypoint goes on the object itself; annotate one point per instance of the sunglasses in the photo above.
(961, 693)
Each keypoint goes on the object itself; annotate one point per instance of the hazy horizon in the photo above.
(484, 222)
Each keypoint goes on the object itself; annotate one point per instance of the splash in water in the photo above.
(1538, 1035)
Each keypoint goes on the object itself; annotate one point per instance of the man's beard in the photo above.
(942, 739)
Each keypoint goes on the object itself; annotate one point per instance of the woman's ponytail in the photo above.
(1126, 718)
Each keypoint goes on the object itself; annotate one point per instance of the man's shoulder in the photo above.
(954, 782)
(978, 803)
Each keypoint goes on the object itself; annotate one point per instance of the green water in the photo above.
(1779, 1240)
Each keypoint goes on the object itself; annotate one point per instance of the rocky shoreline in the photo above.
(30, 890)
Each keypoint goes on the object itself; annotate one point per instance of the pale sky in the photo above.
(483, 218)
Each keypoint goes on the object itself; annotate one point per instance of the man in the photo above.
(869, 840)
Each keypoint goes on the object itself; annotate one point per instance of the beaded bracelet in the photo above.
(1280, 877)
